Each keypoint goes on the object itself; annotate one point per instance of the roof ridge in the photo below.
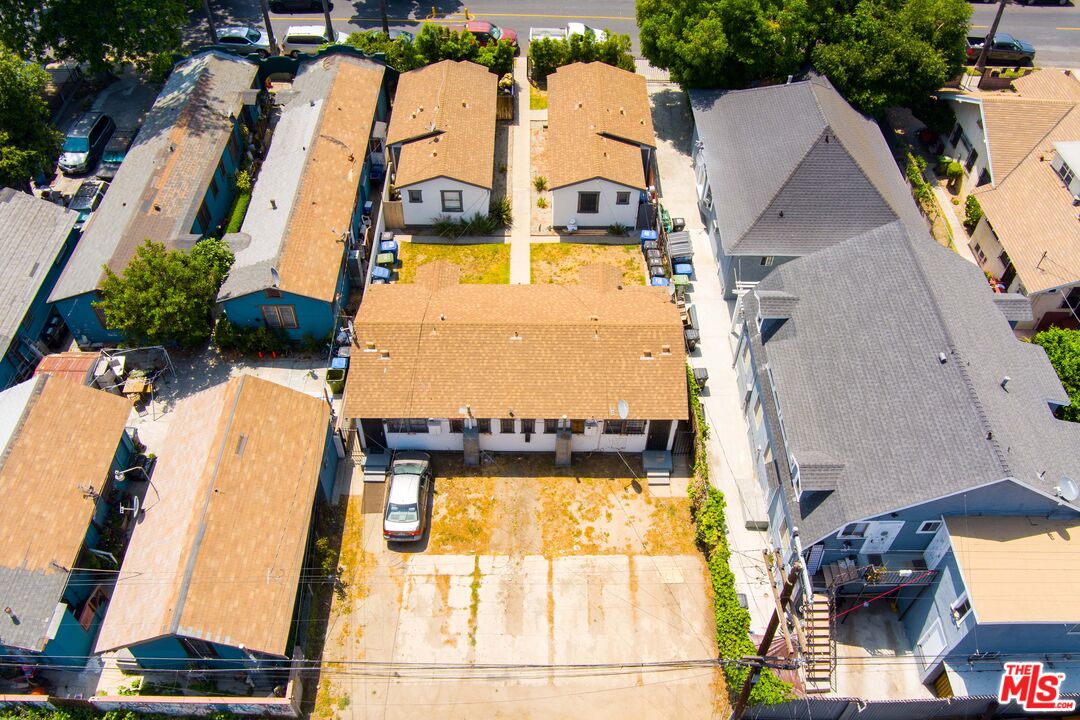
(1041, 140)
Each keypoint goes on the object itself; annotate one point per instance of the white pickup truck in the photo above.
(571, 29)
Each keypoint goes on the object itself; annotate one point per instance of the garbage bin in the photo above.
(678, 224)
(335, 379)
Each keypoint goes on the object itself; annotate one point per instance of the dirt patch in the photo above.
(562, 262)
(486, 264)
(539, 217)
(504, 164)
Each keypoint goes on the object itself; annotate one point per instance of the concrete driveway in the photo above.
(534, 595)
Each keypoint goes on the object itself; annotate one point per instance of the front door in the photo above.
(931, 644)
(659, 430)
(880, 537)
(374, 435)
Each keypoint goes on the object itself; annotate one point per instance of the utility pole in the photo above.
(329, 26)
(766, 641)
(985, 54)
(210, 21)
(269, 27)
(385, 20)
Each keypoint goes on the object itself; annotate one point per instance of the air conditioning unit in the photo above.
(434, 426)
(592, 427)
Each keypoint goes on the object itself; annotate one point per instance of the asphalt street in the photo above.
(1053, 30)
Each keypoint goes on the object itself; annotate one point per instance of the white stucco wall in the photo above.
(984, 242)
(564, 205)
(473, 200)
(515, 442)
(969, 116)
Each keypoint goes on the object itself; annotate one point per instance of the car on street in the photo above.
(284, 6)
(243, 40)
(487, 33)
(571, 29)
(405, 514)
(85, 142)
(86, 200)
(307, 39)
(1005, 50)
(115, 152)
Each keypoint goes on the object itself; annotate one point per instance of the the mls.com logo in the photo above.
(1035, 690)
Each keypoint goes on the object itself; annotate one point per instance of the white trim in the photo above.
(960, 600)
(922, 527)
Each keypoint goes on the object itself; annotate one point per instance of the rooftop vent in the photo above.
(241, 443)
(385, 355)
(516, 336)
(941, 358)
(1005, 383)
(646, 355)
(369, 347)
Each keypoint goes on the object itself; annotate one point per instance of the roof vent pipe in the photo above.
(1005, 383)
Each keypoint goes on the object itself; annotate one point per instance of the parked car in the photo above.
(282, 6)
(307, 39)
(571, 29)
(405, 514)
(408, 36)
(115, 152)
(1005, 50)
(85, 142)
(486, 33)
(243, 40)
(86, 200)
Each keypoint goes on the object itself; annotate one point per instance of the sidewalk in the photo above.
(960, 236)
(522, 172)
(730, 463)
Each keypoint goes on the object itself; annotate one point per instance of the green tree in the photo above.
(497, 57)
(549, 54)
(1063, 348)
(165, 297)
(28, 143)
(439, 42)
(400, 54)
(102, 33)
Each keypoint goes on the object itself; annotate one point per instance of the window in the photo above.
(407, 425)
(588, 203)
(196, 648)
(577, 427)
(1065, 173)
(855, 531)
(27, 320)
(417, 196)
(767, 261)
(89, 609)
(273, 293)
(960, 608)
(979, 253)
(506, 426)
(551, 427)
(624, 427)
(451, 201)
(957, 132)
(929, 527)
(457, 425)
(280, 316)
(234, 148)
(757, 411)
(1074, 630)
(203, 219)
(483, 425)
(622, 198)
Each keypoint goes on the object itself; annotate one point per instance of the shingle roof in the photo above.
(32, 235)
(444, 116)
(74, 366)
(311, 174)
(158, 190)
(794, 169)
(59, 441)
(1029, 208)
(599, 116)
(218, 556)
(859, 381)
(540, 351)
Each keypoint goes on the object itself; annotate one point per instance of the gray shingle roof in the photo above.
(158, 190)
(867, 404)
(794, 169)
(32, 234)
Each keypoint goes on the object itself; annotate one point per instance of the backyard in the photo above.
(560, 262)
(483, 264)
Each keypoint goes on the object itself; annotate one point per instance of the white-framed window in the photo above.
(929, 527)
(451, 201)
(979, 253)
(622, 198)
(416, 196)
(854, 531)
(1065, 173)
(280, 316)
(1074, 630)
(407, 425)
(960, 608)
(624, 427)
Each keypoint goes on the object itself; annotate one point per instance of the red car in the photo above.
(486, 32)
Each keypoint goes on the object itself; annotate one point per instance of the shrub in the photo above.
(955, 171)
(243, 182)
(541, 202)
(229, 336)
(941, 167)
(478, 224)
(238, 212)
(913, 170)
(157, 67)
(498, 58)
(502, 212)
(549, 54)
(540, 183)
(616, 229)
(972, 212)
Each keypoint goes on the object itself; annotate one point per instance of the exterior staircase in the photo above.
(820, 650)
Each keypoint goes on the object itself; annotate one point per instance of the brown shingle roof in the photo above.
(68, 366)
(1015, 125)
(598, 117)
(311, 258)
(444, 116)
(219, 555)
(65, 441)
(541, 351)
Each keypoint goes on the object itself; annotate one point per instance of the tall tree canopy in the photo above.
(98, 32)
(432, 44)
(28, 143)
(877, 52)
(1063, 349)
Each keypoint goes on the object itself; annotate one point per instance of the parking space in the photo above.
(535, 593)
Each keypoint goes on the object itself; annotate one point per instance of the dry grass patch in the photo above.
(670, 531)
(461, 516)
(485, 264)
(562, 262)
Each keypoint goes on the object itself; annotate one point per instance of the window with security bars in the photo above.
(407, 425)
(506, 426)
(279, 316)
(551, 427)
(624, 427)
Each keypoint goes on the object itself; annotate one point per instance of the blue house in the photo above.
(907, 445)
(786, 170)
(36, 239)
(238, 475)
(62, 444)
(306, 207)
(174, 187)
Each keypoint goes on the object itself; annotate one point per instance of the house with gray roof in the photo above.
(787, 170)
(175, 186)
(884, 415)
(36, 239)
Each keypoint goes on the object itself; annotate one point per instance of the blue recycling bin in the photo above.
(389, 246)
(684, 268)
(660, 282)
(647, 235)
(380, 273)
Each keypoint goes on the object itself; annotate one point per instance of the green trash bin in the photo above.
(335, 378)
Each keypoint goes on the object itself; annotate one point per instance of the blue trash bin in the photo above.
(380, 273)
(390, 246)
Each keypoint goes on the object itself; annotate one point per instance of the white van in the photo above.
(307, 39)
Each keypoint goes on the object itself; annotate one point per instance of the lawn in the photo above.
(487, 264)
(561, 262)
(537, 98)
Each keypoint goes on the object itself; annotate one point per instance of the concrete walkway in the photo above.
(730, 463)
(948, 211)
(522, 176)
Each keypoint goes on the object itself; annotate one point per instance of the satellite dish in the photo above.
(624, 409)
(1068, 489)
(275, 278)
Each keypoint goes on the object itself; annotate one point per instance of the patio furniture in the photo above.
(136, 387)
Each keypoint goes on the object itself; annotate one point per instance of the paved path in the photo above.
(521, 173)
(960, 236)
(730, 463)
